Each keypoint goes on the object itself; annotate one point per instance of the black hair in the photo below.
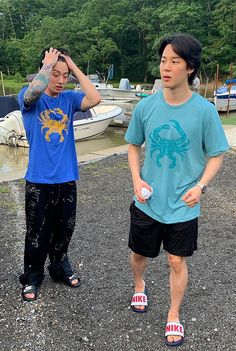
(187, 47)
(60, 58)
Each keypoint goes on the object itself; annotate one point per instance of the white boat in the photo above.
(125, 92)
(94, 121)
(225, 96)
(86, 125)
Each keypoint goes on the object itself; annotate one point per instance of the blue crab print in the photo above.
(168, 147)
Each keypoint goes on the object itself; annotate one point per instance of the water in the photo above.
(13, 161)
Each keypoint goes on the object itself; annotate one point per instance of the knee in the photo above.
(136, 258)
(177, 263)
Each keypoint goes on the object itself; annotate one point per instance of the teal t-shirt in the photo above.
(178, 140)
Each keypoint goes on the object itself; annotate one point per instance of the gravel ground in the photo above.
(97, 315)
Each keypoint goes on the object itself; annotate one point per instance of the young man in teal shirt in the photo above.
(184, 147)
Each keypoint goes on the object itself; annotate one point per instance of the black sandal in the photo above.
(68, 280)
(29, 289)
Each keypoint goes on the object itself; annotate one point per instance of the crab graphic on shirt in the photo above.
(168, 147)
(54, 125)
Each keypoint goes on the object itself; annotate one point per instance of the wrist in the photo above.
(202, 186)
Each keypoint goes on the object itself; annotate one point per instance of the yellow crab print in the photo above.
(54, 126)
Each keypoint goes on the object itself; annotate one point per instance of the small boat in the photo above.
(86, 124)
(225, 96)
(125, 92)
(94, 121)
(121, 120)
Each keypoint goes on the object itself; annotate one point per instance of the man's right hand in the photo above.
(51, 57)
(138, 185)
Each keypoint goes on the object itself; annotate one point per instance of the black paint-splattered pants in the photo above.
(50, 221)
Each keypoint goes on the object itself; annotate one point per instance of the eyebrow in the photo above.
(55, 70)
(173, 57)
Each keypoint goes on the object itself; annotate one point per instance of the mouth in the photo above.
(59, 87)
(166, 78)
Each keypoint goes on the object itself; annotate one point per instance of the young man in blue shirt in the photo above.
(184, 147)
(50, 199)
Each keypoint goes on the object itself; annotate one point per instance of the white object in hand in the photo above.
(146, 193)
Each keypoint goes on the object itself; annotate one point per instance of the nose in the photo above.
(167, 66)
(60, 79)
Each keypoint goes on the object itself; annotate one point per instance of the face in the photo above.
(173, 69)
(58, 79)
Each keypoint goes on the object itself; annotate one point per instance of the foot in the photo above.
(29, 292)
(140, 289)
(73, 281)
(173, 338)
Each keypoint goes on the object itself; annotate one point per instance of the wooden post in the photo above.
(88, 69)
(3, 89)
(206, 87)
(217, 75)
(216, 83)
(230, 85)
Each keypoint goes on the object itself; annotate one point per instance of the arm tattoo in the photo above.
(38, 85)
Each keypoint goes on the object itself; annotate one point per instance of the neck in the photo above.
(49, 93)
(177, 96)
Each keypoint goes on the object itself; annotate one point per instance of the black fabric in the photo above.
(50, 221)
(60, 270)
(82, 115)
(8, 104)
(146, 235)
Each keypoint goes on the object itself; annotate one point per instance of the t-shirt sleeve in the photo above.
(23, 107)
(78, 97)
(135, 133)
(214, 139)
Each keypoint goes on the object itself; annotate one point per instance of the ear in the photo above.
(190, 71)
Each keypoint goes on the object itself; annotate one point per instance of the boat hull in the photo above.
(12, 131)
(225, 98)
(223, 105)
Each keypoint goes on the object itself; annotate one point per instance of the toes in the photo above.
(74, 281)
(139, 307)
(173, 338)
(30, 296)
(170, 338)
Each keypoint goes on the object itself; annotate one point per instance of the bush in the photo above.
(18, 78)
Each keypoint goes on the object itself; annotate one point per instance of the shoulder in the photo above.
(72, 94)
(147, 102)
(201, 103)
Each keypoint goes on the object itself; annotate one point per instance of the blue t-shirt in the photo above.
(178, 140)
(49, 129)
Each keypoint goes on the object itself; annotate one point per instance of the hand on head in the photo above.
(70, 63)
(51, 56)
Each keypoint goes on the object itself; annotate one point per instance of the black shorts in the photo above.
(147, 234)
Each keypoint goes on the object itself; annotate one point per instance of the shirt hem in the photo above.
(161, 220)
(43, 181)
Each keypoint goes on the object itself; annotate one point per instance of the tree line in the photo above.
(125, 33)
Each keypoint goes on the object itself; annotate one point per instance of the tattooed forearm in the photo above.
(38, 85)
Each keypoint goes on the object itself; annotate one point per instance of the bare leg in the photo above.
(178, 283)
(138, 265)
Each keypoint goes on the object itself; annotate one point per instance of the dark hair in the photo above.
(60, 58)
(187, 47)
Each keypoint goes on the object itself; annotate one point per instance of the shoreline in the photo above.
(94, 156)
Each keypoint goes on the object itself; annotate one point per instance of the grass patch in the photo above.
(4, 189)
(13, 88)
(228, 120)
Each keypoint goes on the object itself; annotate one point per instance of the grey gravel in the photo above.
(97, 315)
